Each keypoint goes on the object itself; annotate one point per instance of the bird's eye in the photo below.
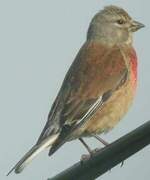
(121, 21)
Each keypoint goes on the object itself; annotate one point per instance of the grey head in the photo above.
(113, 25)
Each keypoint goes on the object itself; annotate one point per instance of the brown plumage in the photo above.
(98, 88)
(113, 75)
(100, 71)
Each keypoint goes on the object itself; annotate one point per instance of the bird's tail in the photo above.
(32, 153)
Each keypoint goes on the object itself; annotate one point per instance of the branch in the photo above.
(109, 156)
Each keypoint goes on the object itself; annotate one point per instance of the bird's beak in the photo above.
(135, 25)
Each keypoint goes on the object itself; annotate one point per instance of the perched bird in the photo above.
(99, 87)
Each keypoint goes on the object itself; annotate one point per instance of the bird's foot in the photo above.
(86, 157)
(96, 150)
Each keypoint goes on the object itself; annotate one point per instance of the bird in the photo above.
(99, 87)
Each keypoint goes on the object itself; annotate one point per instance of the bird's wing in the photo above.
(92, 78)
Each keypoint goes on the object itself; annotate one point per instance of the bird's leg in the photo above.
(85, 156)
(101, 140)
(105, 144)
(85, 145)
(91, 152)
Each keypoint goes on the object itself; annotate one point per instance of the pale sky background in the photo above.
(38, 42)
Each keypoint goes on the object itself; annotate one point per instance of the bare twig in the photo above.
(109, 156)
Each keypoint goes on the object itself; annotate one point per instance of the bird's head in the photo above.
(113, 25)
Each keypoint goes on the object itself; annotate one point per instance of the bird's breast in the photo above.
(116, 107)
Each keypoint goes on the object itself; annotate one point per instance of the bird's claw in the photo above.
(86, 157)
(122, 163)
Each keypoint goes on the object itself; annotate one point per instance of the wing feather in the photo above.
(92, 78)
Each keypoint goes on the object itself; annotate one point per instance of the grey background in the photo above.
(38, 42)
